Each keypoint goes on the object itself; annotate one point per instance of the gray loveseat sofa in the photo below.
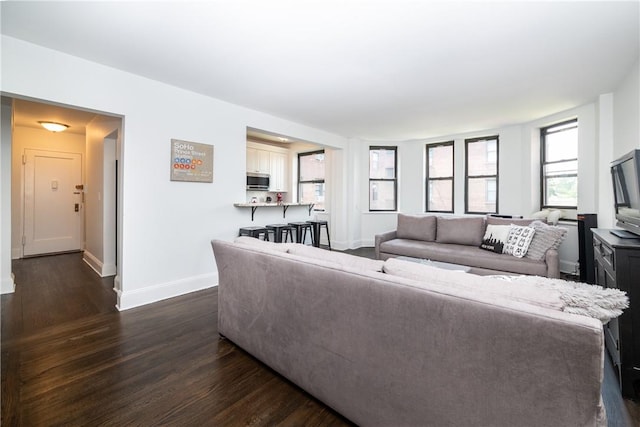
(457, 240)
(383, 349)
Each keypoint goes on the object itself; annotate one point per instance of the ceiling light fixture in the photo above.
(53, 126)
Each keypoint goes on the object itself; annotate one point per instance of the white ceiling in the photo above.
(29, 113)
(380, 70)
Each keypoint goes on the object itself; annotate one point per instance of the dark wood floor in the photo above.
(70, 358)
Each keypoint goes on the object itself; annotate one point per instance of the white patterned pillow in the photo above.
(518, 241)
(495, 237)
(546, 237)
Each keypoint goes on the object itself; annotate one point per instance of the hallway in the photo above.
(51, 290)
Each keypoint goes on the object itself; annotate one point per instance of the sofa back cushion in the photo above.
(416, 227)
(492, 220)
(461, 231)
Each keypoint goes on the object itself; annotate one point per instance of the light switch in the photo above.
(54, 184)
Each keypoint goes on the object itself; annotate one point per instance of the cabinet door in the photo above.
(279, 172)
(257, 160)
(252, 160)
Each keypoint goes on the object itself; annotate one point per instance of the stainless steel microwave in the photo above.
(257, 181)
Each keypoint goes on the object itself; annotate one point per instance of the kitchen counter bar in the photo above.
(283, 205)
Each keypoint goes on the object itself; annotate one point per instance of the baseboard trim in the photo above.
(103, 270)
(151, 294)
(569, 267)
(16, 253)
(8, 285)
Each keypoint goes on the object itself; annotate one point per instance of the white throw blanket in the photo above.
(580, 298)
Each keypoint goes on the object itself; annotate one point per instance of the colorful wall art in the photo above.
(191, 161)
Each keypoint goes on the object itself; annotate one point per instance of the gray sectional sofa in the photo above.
(386, 349)
(457, 240)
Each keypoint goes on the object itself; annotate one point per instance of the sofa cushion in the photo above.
(343, 259)
(518, 241)
(495, 238)
(479, 284)
(546, 237)
(464, 255)
(508, 221)
(461, 231)
(417, 227)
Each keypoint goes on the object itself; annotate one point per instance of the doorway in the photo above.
(45, 166)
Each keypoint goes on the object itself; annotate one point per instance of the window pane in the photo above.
(562, 168)
(382, 163)
(561, 146)
(482, 195)
(482, 157)
(312, 167)
(440, 195)
(382, 195)
(561, 191)
(440, 161)
(312, 193)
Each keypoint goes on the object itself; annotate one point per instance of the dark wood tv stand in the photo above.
(617, 265)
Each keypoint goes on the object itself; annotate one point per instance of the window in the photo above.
(440, 177)
(559, 165)
(382, 178)
(481, 166)
(311, 179)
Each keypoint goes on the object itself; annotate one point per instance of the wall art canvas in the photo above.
(191, 161)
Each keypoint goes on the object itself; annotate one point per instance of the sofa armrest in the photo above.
(381, 238)
(552, 259)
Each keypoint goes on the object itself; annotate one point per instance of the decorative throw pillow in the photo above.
(546, 237)
(519, 240)
(495, 237)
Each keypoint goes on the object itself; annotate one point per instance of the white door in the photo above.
(52, 203)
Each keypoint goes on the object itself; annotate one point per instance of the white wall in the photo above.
(605, 203)
(626, 110)
(35, 139)
(6, 277)
(166, 226)
(99, 192)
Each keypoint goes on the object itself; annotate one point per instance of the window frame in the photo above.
(467, 142)
(394, 179)
(311, 181)
(544, 163)
(448, 178)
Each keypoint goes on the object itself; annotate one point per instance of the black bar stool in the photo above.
(316, 226)
(301, 230)
(278, 230)
(254, 232)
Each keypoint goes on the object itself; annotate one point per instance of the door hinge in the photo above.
(24, 240)
(24, 159)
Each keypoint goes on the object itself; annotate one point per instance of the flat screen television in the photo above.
(626, 192)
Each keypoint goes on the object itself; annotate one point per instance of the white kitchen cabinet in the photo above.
(279, 171)
(258, 160)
